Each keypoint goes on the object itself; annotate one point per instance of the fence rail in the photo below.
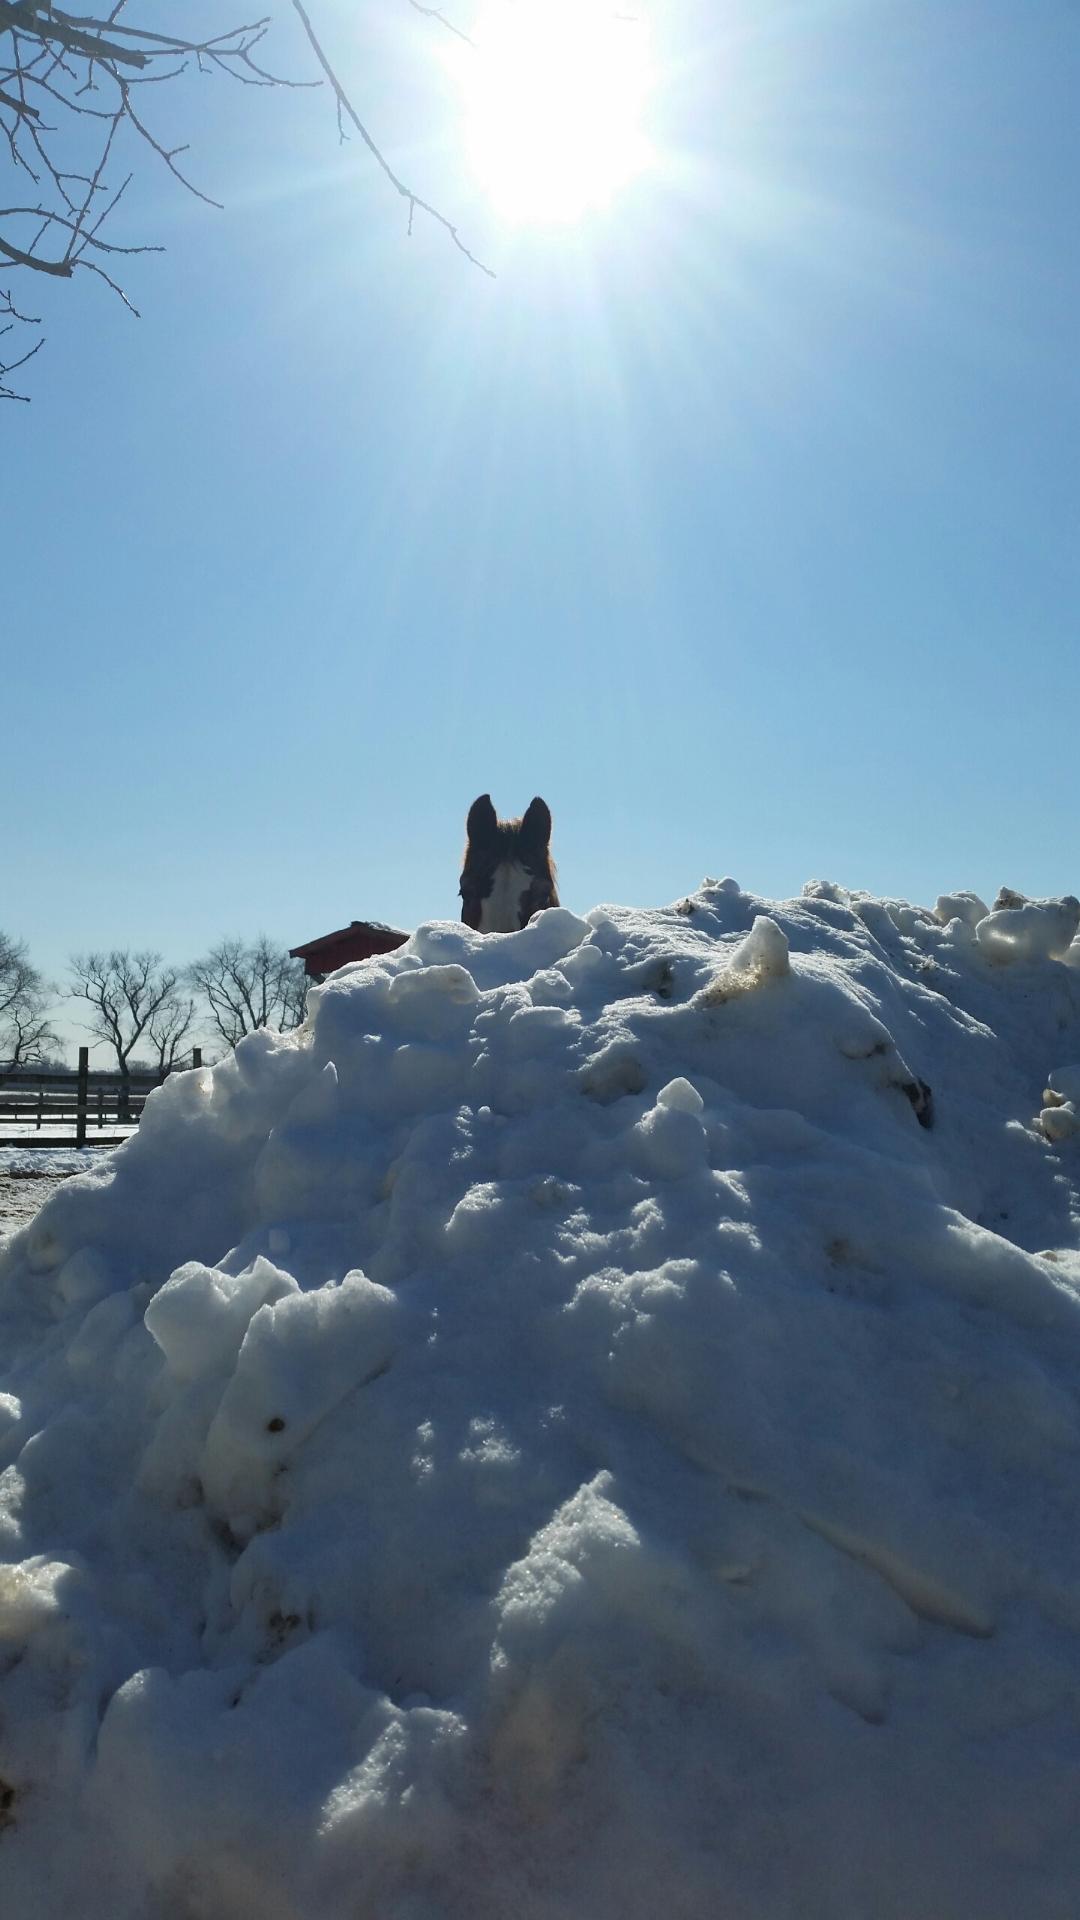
(92, 1101)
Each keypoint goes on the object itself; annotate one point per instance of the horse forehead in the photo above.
(500, 910)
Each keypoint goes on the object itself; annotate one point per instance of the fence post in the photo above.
(80, 1110)
(196, 1056)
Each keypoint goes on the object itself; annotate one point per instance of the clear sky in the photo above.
(738, 515)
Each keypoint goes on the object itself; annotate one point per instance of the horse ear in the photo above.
(482, 821)
(536, 824)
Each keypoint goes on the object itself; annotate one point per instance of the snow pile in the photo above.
(564, 1434)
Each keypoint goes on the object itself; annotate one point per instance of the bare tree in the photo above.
(128, 994)
(249, 986)
(167, 1030)
(75, 110)
(25, 1032)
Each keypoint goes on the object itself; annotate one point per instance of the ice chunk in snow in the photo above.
(28, 1597)
(200, 1316)
(1060, 1116)
(1035, 930)
(764, 952)
(1063, 1084)
(965, 907)
(670, 1139)
(1059, 1121)
(434, 1002)
(760, 958)
(681, 1097)
(908, 920)
(300, 1357)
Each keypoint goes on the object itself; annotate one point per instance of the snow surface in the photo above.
(563, 1435)
(28, 1175)
(33, 1159)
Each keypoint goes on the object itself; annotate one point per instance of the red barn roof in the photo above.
(358, 941)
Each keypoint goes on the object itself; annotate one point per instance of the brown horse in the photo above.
(508, 873)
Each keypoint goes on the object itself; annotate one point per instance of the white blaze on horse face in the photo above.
(501, 911)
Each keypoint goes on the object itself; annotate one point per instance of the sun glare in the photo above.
(556, 91)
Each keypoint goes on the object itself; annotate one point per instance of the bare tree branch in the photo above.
(25, 1030)
(18, 106)
(345, 106)
(167, 1029)
(126, 994)
(10, 312)
(246, 987)
(62, 268)
(436, 13)
(66, 33)
(68, 105)
(66, 100)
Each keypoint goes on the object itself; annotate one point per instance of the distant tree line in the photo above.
(146, 1012)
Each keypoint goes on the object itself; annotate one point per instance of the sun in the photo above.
(555, 99)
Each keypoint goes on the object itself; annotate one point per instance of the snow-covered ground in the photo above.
(29, 1175)
(21, 1196)
(589, 1426)
(54, 1135)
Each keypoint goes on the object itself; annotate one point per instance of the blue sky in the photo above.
(739, 519)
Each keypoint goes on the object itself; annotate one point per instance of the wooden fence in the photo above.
(91, 1102)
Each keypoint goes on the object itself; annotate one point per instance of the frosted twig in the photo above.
(345, 106)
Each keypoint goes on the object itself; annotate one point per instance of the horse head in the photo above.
(507, 874)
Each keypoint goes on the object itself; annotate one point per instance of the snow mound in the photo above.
(557, 1435)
